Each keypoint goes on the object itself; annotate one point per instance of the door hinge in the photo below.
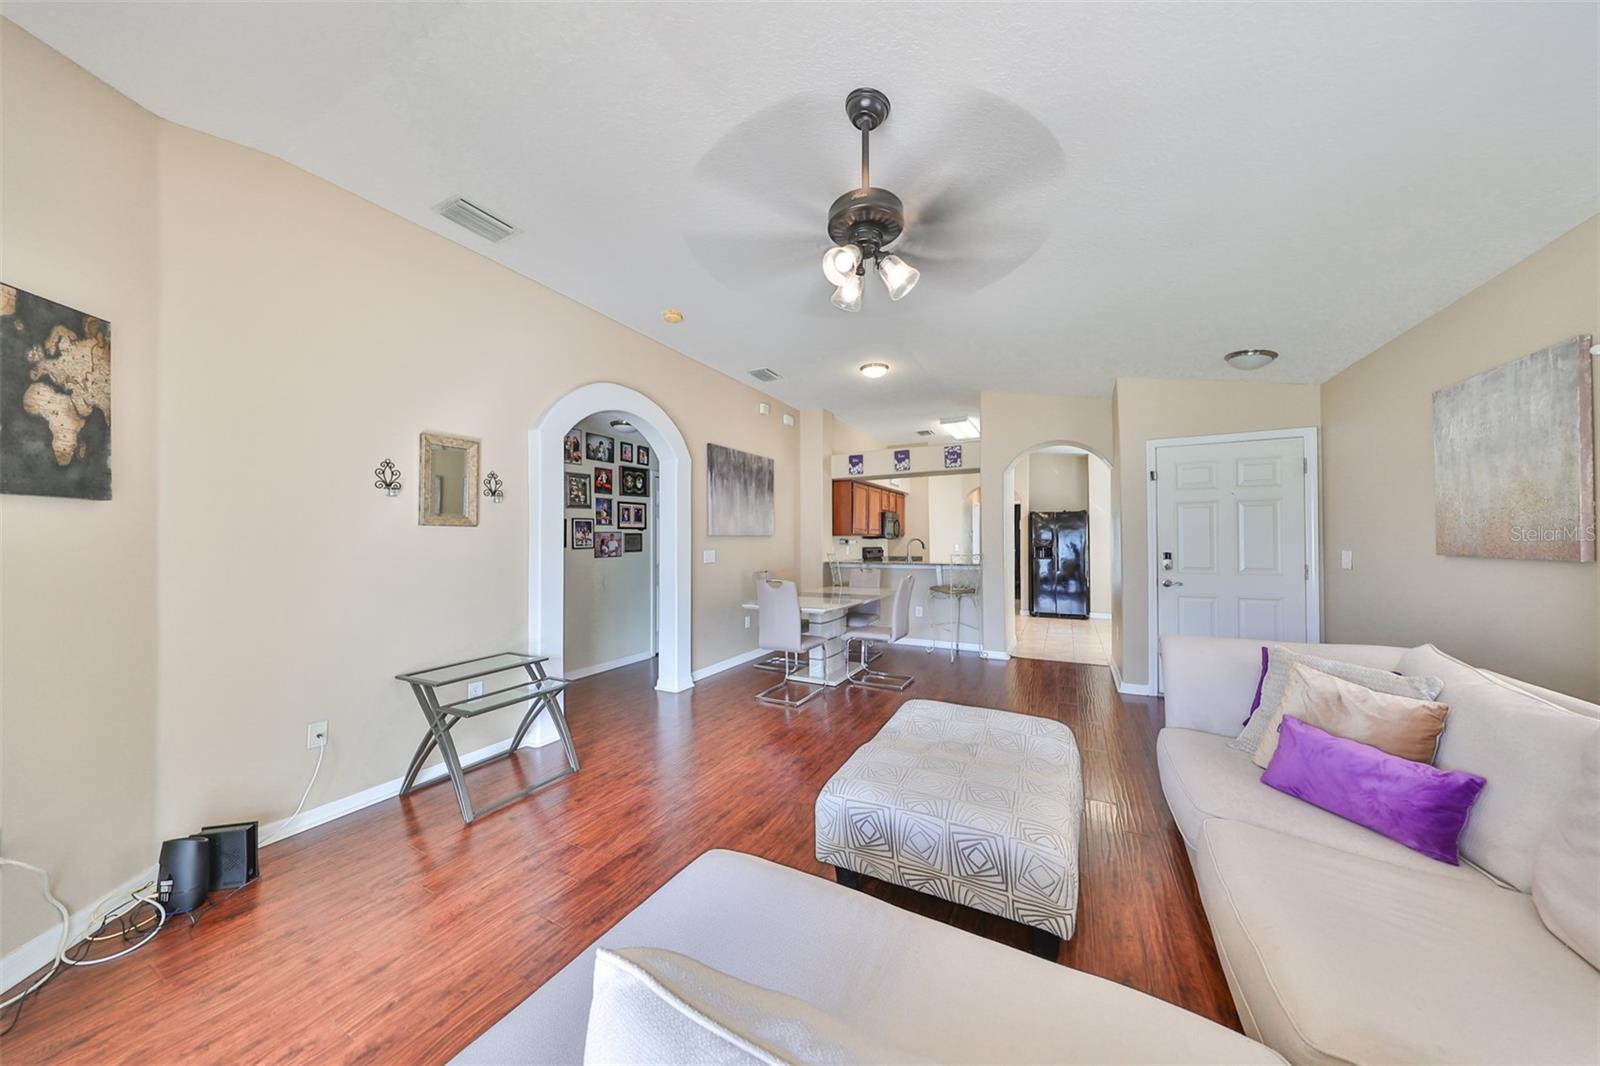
(1152, 475)
(1305, 465)
(1308, 571)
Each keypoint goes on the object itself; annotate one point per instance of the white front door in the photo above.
(1231, 545)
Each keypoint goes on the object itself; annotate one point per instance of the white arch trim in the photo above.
(548, 514)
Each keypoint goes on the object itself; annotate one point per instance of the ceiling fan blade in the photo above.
(793, 157)
(746, 260)
(965, 273)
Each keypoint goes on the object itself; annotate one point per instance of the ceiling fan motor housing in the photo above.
(870, 218)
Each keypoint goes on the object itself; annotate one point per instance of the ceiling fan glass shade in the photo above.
(840, 262)
(847, 297)
(899, 277)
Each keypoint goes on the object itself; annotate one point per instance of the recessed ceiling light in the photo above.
(961, 427)
(874, 370)
(672, 316)
(1250, 358)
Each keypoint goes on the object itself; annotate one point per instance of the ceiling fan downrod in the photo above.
(865, 221)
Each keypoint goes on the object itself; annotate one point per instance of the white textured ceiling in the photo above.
(1171, 181)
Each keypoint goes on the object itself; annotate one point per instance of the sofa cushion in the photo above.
(1527, 749)
(1566, 868)
(653, 1006)
(1204, 778)
(1404, 727)
(1336, 958)
(938, 992)
(1282, 658)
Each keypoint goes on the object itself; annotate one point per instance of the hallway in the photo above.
(1064, 640)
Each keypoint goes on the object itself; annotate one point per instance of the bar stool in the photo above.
(899, 625)
(779, 602)
(955, 592)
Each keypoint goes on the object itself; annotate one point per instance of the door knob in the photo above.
(1168, 583)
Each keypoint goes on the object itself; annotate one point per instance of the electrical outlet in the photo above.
(919, 610)
(474, 689)
(316, 734)
(747, 621)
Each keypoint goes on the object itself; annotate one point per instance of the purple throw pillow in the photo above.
(1255, 704)
(1421, 806)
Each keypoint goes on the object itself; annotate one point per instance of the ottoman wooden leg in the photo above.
(847, 878)
(1043, 943)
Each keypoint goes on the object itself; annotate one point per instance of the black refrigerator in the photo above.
(1058, 563)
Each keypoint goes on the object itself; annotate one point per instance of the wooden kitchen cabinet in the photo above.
(858, 508)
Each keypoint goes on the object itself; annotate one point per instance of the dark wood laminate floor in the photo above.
(397, 934)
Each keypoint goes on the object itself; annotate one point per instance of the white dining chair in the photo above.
(899, 625)
(779, 603)
(774, 662)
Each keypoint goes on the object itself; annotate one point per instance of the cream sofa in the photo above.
(1342, 946)
(937, 993)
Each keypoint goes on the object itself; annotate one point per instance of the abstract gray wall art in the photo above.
(1513, 459)
(738, 493)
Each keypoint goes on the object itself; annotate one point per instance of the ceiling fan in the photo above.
(975, 176)
(864, 222)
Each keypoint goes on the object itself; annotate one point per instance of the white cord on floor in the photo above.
(61, 947)
(322, 749)
(133, 901)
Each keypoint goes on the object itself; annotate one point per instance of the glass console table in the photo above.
(539, 693)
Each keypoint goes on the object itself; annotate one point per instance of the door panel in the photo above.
(1232, 515)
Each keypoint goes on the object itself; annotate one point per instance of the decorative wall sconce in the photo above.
(388, 478)
(494, 488)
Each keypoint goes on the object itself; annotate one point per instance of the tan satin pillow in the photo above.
(1399, 725)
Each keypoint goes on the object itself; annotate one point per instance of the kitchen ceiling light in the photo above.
(899, 277)
(1250, 358)
(847, 297)
(840, 262)
(874, 370)
(672, 316)
(960, 428)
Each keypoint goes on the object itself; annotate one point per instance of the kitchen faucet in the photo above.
(916, 540)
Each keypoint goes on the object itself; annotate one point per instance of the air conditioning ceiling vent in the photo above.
(764, 373)
(469, 215)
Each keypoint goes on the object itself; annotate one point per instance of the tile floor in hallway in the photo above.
(1066, 640)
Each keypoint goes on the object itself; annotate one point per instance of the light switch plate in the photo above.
(709, 555)
(919, 610)
(1344, 559)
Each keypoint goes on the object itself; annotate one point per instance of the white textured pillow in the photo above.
(1566, 868)
(655, 1006)
(1280, 659)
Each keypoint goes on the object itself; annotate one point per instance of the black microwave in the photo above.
(890, 525)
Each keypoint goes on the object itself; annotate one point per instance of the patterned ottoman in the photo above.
(976, 806)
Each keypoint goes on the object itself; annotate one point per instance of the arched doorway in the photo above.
(1086, 639)
(548, 515)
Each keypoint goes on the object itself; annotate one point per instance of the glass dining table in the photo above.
(823, 611)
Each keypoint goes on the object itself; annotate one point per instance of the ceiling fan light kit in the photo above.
(864, 222)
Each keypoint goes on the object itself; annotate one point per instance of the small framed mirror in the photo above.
(447, 488)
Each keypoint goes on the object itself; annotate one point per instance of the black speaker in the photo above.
(233, 854)
(185, 873)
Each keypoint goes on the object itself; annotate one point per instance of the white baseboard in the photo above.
(1128, 688)
(37, 953)
(1103, 615)
(924, 642)
(600, 668)
(998, 656)
(729, 663)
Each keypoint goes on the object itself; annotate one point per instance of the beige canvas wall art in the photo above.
(1513, 459)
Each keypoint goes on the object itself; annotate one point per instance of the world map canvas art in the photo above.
(55, 399)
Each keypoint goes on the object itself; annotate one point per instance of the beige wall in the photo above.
(1058, 482)
(1014, 424)
(1152, 409)
(78, 615)
(1101, 546)
(1533, 620)
(304, 335)
(609, 602)
(949, 515)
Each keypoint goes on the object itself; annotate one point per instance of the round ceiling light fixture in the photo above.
(1250, 358)
(672, 316)
(874, 370)
(622, 425)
